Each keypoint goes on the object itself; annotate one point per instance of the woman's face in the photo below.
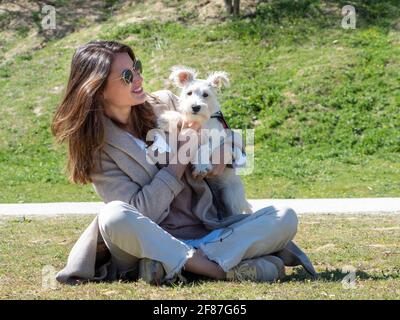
(118, 94)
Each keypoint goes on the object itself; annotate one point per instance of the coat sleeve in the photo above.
(166, 101)
(152, 200)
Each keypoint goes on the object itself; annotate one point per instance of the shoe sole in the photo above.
(293, 256)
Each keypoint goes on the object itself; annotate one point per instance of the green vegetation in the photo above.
(324, 101)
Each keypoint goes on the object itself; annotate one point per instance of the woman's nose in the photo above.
(138, 80)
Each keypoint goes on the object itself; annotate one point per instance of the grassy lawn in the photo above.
(369, 243)
(323, 101)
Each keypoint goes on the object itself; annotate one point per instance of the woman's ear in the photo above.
(181, 75)
(218, 79)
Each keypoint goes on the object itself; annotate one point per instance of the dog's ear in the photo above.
(218, 79)
(181, 75)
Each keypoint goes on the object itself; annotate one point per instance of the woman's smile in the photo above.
(137, 90)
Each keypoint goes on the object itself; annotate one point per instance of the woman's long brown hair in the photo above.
(78, 119)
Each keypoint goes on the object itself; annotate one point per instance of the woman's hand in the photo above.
(218, 162)
(217, 170)
(219, 167)
(194, 125)
(189, 139)
(179, 162)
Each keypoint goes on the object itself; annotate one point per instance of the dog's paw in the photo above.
(169, 121)
(201, 170)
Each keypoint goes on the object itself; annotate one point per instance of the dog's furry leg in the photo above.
(232, 193)
(202, 166)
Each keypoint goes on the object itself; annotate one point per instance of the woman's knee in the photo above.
(289, 220)
(115, 216)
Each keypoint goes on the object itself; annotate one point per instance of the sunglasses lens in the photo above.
(138, 66)
(127, 76)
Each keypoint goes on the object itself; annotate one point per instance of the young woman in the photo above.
(158, 220)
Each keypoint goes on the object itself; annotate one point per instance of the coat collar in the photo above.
(120, 139)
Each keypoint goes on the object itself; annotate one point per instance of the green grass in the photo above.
(323, 101)
(369, 243)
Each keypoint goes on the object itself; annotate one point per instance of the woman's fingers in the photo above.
(218, 169)
(194, 125)
(202, 176)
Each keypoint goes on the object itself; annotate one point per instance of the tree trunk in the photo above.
(236, 7)
(229, 6)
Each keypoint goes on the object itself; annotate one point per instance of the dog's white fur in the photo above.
(228, 187)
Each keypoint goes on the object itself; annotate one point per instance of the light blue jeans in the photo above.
(210, 237)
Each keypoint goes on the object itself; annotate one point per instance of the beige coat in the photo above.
(126, 175)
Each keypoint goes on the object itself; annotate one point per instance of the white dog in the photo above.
(198, 102)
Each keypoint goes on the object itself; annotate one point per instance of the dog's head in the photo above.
(198, 98)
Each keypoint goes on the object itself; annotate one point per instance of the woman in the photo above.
(158, 220)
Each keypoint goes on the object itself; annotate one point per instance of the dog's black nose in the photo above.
(196, 108)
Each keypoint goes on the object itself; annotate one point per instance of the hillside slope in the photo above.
(324, 101)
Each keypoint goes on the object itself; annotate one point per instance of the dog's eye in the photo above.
(205, 94)
(189, 93)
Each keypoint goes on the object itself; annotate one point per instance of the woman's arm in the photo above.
(152, 200)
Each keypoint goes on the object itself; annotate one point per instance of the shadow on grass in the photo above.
(299, 275)
(337, 275)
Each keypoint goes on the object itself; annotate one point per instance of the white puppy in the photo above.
(198, 102)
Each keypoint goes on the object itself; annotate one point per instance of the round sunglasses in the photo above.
(127, 74)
